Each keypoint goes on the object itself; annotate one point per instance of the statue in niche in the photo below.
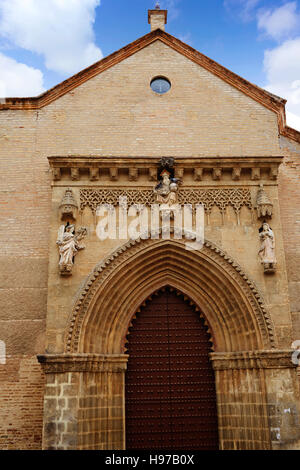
(166, 190)
(267, 248)
(69, 244)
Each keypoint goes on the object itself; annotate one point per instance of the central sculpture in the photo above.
(166, 189)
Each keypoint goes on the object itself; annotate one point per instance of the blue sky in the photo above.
(42, 42)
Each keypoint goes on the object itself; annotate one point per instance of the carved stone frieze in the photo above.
(56, 172)
(198, 174)
(114, 174)
(94, 174)
(61, 363)
(221, 198)
(133, 174)
(268, 359)
(255, 174)
(215, 168)
(217, 174)
(273, 173)
(75, 174)
(152, 174)
(236, 173)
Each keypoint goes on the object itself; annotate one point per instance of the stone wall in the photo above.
(289, 197)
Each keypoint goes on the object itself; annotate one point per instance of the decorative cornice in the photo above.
(291, 133)
(270, 101)
(60, 363)
(267, 359)
(89, 167)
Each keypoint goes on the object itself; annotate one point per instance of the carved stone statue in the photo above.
(68, 243)
(68, 206)
(267, 249)
(166, 190)
(263, 204)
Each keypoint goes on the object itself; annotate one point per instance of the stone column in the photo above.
(84, 405)
(254, 392)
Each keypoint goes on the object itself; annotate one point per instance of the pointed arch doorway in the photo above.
(169, 385)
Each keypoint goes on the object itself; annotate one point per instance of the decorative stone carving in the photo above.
(75, 174)
(68, 206)
(236, 173)
(221, 198)
(114, 173)
(270, 359)
(94, 174)
(133, 174)
(152, 174)
(56, 174)
(255, 174)
(179, 173)
(263, 204)
(69, 244)
(98, 277)
(198, 174)
(217, 174)
(62, 363)
(273, 173)
(167, 163)
(217, 168)
(267, 248)
(166, 190)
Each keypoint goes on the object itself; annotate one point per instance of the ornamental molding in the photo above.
(74, 168)
(221, 198)
(60, 363)
(111, 263)
(267, 359)
(264, 359)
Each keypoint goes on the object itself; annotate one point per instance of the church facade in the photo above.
(182, 336)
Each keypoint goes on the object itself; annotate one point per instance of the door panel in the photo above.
(170, 388)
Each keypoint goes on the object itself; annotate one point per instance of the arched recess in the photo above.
(117, 287)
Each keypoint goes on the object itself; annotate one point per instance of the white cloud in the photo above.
(244, 9)
(282, 63)
(171, 6)
(280, 22)
(60, 30)
(282, 67)
(293, 120)
(18, 79)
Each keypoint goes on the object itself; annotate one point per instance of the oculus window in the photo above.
(160, 85)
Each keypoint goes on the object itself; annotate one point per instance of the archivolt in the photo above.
(118, 285)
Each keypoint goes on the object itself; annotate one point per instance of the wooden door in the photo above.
(170, 387)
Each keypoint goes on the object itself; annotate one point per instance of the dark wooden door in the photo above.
(170, 387)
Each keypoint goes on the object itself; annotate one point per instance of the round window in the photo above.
(160, 85)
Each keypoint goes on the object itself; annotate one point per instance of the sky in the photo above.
(43, 42)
